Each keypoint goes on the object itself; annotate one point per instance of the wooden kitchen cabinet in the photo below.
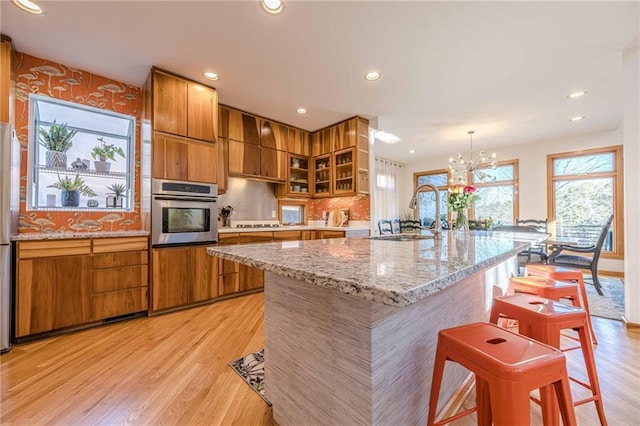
(238, 126)
(329, 234)
(65, 283)
(322, 176)
(6, 77)
(180, 158)
(182, 276)
(244, 159)
(273, 135)
(321, 142)
(299, 142)
(298, 177)
(345, 134)
(273, 164)
(344, 171)
(184, 107)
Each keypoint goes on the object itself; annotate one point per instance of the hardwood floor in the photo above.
(172, 369)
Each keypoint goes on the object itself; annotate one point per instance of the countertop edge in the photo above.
(77, 235)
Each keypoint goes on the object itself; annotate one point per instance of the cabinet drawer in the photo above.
(115, 260)
(111, 279)
(115, 303)
(287, 235)
(116, 245)
(226, 239)
(227, 266)
(256, 237)
(51, 248)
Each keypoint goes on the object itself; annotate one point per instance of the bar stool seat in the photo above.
(507, 367)
(543, 319)
(560, 273)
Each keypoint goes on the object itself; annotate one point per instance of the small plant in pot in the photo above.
(57, 141)
(117, 194)
(103, 152)
(72, 189)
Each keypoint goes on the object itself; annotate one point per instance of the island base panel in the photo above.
(332, 358)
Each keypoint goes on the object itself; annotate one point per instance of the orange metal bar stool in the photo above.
(507, 367)
(543, 319)
(564, 274)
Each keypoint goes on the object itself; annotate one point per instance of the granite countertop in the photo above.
(76, 235)
(396, 273)
(349, 228)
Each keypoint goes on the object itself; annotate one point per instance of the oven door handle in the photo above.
(200, 200)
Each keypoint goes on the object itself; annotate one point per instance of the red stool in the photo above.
(564, 274)
(507, 367)
(543, 320)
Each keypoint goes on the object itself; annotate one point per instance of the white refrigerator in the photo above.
(9, 208)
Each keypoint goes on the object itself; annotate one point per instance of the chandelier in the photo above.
(464, 168)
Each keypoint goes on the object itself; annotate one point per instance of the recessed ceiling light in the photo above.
(372, 75)
(272, 6)
(211, 76)
(577, 118)
(575, 95)
(28, 6)
(412, 151)
(385, 137)
(301, 110)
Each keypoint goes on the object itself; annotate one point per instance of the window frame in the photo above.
(515, 182)
(32, 156)
(286, 202)
(617, 175)
(418, 175)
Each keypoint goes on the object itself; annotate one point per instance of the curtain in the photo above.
(386, 200)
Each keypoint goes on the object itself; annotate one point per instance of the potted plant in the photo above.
(118, 192)
(71, 190)
(103, 152)
(56, 141)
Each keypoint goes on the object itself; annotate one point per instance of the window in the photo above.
(585, 188)
(427, 199)
(292, 212)
(102, 187)
(499, 197)
(386, 197)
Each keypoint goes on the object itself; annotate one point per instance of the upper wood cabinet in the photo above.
(273, 135)
(183, 107)
(299, 142)
(345, 134)
(239, 126)
(6, 96)
(244, 159)
(179, 158)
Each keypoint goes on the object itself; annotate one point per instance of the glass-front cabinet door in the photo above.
(298, 184)
(322, 176)
(344, 172)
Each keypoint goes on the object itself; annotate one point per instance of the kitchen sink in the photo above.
(402, 237)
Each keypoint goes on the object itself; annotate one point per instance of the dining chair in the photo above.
(524, 256)
(581, 261)
(386, 226)
(409, 225)
(540, 250)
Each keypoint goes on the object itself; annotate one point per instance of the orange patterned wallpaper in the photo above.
(359, 207)
(35, 75)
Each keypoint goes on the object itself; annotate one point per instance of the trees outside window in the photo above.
(498, 194)
(585, 188)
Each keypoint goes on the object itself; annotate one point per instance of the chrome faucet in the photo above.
(413, 204)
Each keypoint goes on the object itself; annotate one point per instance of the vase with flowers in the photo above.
(459, 200)
(225, 214)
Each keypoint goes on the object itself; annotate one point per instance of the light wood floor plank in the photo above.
(172, 370)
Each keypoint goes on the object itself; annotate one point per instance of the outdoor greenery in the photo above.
(58, 138)
(66, 184)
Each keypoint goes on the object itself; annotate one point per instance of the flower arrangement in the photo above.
(226, 211)
(459, 200)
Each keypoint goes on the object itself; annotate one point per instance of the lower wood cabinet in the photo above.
(65, 283)
(329, 234)
(182, 276)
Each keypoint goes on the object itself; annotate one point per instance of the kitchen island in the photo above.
(351, 324)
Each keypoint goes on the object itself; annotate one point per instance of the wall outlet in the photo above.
(274, 214)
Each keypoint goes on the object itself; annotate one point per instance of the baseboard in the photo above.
(629, 324)
(457, 400)
(616, 274)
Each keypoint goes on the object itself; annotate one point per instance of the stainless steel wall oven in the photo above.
(183, 213)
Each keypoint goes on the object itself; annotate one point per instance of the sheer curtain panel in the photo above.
(388, 190)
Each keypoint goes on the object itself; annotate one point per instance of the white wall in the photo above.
(631, 102)
(532, 160)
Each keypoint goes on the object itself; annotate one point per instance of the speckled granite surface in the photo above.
(77, 235)
(396, 273)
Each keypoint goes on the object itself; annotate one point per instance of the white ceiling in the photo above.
(501, 68)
